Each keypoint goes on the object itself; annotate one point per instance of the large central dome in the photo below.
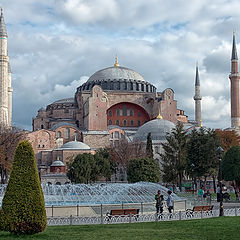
(117, 78)
(114, 73)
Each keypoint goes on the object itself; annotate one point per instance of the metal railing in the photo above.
(103, 219)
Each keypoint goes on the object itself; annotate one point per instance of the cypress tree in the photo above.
(149, 149)
(23, 204)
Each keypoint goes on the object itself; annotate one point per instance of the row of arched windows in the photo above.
(124, 122)
(67, 134)
(123, 112)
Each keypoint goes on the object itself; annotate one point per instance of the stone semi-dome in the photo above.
(117, 78)
(158, 129)
(76, 145)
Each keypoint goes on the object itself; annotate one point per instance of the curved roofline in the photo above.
(64, 100)
(113, 67)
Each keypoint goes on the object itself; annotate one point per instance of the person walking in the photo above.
(169, 201)
(159, 202)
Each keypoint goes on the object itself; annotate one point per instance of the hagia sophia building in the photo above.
(115, 103)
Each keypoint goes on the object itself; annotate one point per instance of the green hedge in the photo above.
(23, 204)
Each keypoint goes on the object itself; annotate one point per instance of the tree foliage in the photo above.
(143, 169)
(149, 149)
(231, 165)
(82, 169)
(23, 204)
(174, 155)
(227, 138)
(103, 162)
(201, 152)
(9, 138)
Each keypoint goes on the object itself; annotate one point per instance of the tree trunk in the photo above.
(237, 185)
(180, 181)
(214, 183)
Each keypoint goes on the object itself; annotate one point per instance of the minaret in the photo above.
(234, 79)
(5, 77)
(197, 98)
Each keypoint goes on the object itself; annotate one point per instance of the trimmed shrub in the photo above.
(23, 204)
(2, 220)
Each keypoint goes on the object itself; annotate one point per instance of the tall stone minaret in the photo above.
(197, 98)
(234, 79)
(5, 78)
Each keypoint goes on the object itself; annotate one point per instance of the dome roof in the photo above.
(113, 73)
(75, 145)
(57, 163)
(158, 129)
(117, 78)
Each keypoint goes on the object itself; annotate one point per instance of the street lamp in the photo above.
(219, 154)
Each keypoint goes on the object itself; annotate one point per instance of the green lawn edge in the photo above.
(202, 229)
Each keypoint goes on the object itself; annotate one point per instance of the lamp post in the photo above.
(219, 154)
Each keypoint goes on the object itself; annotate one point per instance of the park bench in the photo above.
(124, 212)
(206, 208)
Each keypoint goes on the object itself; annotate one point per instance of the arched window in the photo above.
(124, 122)
(131, 86)
(110, 122)
(118, 112)
(138, 122)
(131, 112)
(67, 133)
(117, 122)
(124, 110)
(59, 134)
(41, 126)
(131, 122)
(110, 113)
(116, 134)
(75, 135)
(137, 87)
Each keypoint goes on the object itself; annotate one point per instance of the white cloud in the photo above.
(53, 42)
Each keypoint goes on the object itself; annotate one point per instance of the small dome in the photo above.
(75, 145)
(158, 129)
(57, 163)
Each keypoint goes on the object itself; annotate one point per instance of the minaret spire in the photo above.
(197, 98)
(234, 79)
(3, 30)
(5, 78)
(234, 49)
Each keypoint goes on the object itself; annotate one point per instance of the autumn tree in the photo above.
(121, 153)
(174, 155)
(228, 138)
(9, 138)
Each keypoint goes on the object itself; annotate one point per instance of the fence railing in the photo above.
(95, 210)
(103, 219)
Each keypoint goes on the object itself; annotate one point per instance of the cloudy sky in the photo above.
(55, 45)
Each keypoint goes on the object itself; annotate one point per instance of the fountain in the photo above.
(99, 193)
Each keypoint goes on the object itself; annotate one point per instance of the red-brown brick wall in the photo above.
(138, 114)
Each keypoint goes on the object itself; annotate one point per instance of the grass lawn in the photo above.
(226, 228)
